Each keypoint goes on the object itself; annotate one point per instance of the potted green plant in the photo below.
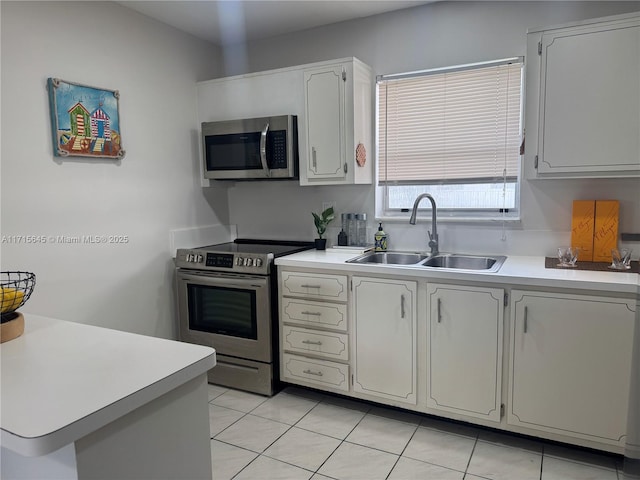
(321, 221)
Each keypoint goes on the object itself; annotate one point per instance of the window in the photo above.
(454, 133)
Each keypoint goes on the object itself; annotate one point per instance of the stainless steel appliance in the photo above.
(227, 299)
(251, 149)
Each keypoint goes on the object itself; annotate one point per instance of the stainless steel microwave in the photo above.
(251, 149)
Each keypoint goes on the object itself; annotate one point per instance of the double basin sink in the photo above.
(444, 261)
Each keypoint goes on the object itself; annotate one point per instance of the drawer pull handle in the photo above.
(310, 286)
(311, 342)
(526, 314)
(310, 372)
(402, 313)
(439, 311)
(315, 314)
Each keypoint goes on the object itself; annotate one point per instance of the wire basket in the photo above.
(15, 290)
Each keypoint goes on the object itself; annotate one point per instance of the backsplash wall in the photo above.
(433, 35)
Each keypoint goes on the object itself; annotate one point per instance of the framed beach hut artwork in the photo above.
(85, 121)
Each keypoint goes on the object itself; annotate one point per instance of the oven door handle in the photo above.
(224, 280)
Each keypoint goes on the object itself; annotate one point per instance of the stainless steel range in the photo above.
(227, 299)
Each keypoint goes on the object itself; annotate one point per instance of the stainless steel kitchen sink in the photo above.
(465, 262)
(390, 258)
(445, 261)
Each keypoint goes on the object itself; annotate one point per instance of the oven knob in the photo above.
(239, 260)
(189, 257)
(199, 258)
(247, 262)
(257, 262)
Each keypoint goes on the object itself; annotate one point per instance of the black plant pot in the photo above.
(321, 243)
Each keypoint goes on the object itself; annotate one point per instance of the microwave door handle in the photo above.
(263, 150)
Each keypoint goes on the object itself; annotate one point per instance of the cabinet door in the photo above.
(384, 338)
(590, 99)
(324, 90)
(464, 361)
(570, 364)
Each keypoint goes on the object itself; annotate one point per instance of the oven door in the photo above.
(229, 312)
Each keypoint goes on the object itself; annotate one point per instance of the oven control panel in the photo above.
(235, 262)
(222, 260)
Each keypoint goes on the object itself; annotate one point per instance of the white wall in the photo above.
(429, 36)
(153, 190)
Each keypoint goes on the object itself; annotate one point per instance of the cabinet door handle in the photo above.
(310, 372)
(314, 160)
(311, 342)
(526, 315)
(315, 314)
(310, 286)
(401, 306)
(439, 311)
(346, 168)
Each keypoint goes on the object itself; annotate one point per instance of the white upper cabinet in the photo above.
(325, 116)
(263, 94)
(333, 101)
(583, 99)
(338, 124)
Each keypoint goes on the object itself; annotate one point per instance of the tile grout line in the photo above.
(230, 425)
(290, 427)
(265, 449)
(342, 440)
(403, 450)
(473, 450)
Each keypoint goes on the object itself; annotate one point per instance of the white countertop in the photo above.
(521, 271)
(63, 380)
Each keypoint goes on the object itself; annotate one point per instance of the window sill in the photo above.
(404, 218)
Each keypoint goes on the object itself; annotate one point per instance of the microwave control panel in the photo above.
(277, 148)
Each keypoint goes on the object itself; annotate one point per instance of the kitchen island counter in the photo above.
(97, 390)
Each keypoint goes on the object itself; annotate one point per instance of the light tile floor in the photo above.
(305, 435)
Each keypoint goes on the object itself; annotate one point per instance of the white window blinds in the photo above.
(457, 125)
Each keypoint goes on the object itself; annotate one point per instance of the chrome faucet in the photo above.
(433, 237)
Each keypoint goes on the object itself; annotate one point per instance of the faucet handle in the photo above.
(431, 236)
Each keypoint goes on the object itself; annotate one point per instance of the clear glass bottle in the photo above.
(361, 229)
(349, 227)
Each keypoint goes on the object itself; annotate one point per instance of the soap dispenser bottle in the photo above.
(381, 239)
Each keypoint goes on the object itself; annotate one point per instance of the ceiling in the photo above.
(234, 21)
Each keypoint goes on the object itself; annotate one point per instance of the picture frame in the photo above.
(85, 120)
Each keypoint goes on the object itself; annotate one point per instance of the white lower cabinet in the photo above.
(438, 348)
(570, 364)
(314, 340)
(464, 350)
(384, 339)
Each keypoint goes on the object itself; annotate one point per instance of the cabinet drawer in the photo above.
(319, 372)
(326, 344)
(314, 285)
(315, 314)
